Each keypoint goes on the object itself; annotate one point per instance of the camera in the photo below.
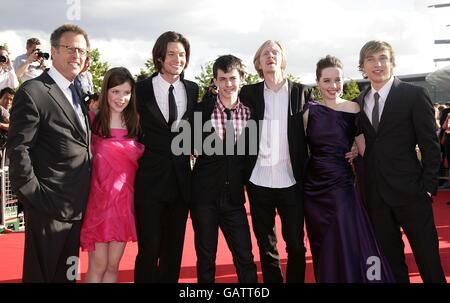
(3, 59)
(41, 54)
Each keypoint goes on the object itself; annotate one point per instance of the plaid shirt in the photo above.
(240, 115)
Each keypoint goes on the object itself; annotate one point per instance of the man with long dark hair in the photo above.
(163, 180)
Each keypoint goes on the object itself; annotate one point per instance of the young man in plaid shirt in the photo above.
(220, 167)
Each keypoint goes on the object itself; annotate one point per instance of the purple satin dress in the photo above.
(342, 242)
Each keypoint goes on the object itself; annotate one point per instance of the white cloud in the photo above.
(125, 32)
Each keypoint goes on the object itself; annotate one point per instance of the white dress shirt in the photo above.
(161, 90)
(369, 100)
(64, 84)
(8, 79)
(273, 167)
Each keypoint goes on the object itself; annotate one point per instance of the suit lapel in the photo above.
(390, 102)
(190, 99)
(292, 109)
(259, 102)
(150, 101)
(294, 100)
(58, 96)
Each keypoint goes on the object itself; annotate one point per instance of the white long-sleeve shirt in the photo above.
(8, 78)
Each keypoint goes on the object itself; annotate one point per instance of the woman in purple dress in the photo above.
(342, 243)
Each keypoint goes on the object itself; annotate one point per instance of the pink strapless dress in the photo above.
(110, 208)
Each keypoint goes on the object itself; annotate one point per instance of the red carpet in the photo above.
(11, 253)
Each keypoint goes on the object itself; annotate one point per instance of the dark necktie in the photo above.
(229, 132)
(75, 97)
(376, 111)
(76, 101)
(172, 107)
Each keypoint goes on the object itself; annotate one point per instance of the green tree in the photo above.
(147, 71)
(251, 78)
(293, 78)
(316, 94)
(351, 90)
(98, 69)
(204, 79)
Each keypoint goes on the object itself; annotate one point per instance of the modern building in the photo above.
(437, 95)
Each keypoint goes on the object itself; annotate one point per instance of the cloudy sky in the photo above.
(125, 31)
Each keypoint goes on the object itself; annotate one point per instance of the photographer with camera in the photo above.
(32, 63)
(7, 75)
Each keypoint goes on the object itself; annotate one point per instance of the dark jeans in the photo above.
(232, 220)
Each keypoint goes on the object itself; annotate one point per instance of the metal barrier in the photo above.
(11, 219)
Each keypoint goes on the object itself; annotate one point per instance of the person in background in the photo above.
(84, 82)
(8, 77)
(93, 102)
(32, 63)
(6, 99)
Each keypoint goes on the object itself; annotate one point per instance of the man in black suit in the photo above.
(218, 176)
(163, 180)
(276, 172)
(396, 117)
(49, 152)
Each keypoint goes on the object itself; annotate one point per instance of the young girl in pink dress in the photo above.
(109, 218)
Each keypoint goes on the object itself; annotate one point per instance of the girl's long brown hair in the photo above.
(101, 125)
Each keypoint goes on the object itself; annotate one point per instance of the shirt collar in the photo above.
(60, 80)
(164, 84)
(237, 106)
(283, 88)
(384, 91)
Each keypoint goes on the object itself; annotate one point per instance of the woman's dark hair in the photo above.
(328, 61)
(102, 121)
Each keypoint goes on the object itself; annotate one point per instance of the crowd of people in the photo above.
(101, 174)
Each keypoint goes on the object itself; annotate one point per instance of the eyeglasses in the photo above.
(72, 49)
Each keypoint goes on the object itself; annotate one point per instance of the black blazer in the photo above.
(158, 165)
(212, 172)
(390, 159)
(253, 96)
(49, 151)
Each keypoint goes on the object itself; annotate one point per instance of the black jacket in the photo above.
(390, 159)
(213, 172)
(159, 167)
(253, 96)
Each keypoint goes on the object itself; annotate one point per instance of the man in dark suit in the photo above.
(163, 180)
(219, 174)
(276, 172)
(395, 117)
(48, 148)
